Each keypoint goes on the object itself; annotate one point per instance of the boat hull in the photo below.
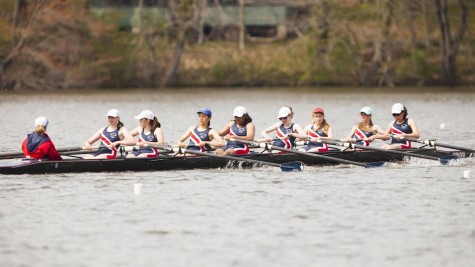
(165, 162)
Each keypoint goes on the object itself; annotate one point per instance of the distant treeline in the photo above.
(60, 44)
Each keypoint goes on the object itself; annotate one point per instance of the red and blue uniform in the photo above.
(108, 138)
(360, 135)
(39, 146)
(401, 128)
(149, 151)
(197, 137)
(282, 132)
(239, 148)
(321, 147)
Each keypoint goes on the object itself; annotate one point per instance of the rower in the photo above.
(319, 130)
(402, 127)
(365, 132)
(241, 128)
(202, 137)
(38, 145)
(284, 129)
(150, 135)
(112, 136)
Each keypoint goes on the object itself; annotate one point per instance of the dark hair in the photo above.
(405, 112)
(154, 124)
(120, 125)
(247, 119)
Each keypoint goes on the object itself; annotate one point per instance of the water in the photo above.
(416, 214)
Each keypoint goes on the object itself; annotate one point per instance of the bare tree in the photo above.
(450, 43)
(184, 15)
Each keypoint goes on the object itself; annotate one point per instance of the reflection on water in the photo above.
(416, 214)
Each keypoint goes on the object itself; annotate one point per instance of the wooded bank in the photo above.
(56, 44)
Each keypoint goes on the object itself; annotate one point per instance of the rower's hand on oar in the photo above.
(142, 144)
(88, 146)
(181, 144)
(227, 137)
(316, 140)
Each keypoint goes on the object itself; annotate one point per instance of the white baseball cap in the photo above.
(284, 112)
(397, 108)
(145, 114)
(239, 111)
(113, 113)
(41, 121)
(366, 110)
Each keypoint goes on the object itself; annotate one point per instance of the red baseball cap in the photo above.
(318, 110)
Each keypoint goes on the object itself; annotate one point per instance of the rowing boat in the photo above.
(170, 162)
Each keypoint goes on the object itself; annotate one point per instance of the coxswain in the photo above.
(38, 145)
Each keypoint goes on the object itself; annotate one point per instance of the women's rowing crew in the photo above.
(201, 137)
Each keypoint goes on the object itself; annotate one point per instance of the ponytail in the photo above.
(40, 129)
(405, 112)
(120, 125)
(154, 124)
(247, 119)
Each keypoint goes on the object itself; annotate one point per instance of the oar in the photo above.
(434, 143)
(443, 160)
(308, 154)
(289, 166)
(20, 154)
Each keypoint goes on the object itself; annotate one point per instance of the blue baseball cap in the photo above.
(205, 111)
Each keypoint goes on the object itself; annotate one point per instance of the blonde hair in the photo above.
(366, 127)
(40, 129)
(325, 126)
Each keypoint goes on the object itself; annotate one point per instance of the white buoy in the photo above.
(466, 174)
(138, 189)
(442, 126)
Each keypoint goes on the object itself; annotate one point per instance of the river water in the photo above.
(414, 214)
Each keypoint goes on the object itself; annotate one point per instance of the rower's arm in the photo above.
(216, 139)
(135, 131)
(92, 139)
(182, 139)
(226, 129)
(302, 134)
(251, 130)
(127, 139)
(352, 133)
(386, 135)
(268, 130)
(415, 130)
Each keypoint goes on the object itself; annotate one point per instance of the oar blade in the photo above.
(292, 166)
(444, 160)
(374, 164)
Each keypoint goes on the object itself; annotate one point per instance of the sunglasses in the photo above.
(395, 115)
(283, 118)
